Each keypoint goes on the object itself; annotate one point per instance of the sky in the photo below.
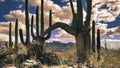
(106, 13)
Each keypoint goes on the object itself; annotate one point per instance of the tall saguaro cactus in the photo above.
(27, 42)
(79, 29)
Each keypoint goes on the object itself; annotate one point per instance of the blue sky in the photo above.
(107, 16)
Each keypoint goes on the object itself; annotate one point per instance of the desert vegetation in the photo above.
(33, 52)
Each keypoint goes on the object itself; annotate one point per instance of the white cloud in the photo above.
(16, 14)
(106, 10)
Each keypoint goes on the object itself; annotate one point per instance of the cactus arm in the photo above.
(50, 23)
(88, 16)
(50, 18)
(61, 25)
(37, 21)
(32, 33)
(27, 22)
(10, 36)
(21, 37)
(42, 16)
(72, 8)
(79, 16)
(89, 7)
(16, 34)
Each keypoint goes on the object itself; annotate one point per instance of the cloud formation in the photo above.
(106, 10)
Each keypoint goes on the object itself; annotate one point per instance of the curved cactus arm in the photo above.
(64, 26)
(50, 23)
(32, 33)
(21, 37)
(72, 8)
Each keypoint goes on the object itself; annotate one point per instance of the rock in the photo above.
(52, 59)
(31, 64)
(9, 66)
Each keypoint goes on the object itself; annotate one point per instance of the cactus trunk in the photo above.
(80, 48)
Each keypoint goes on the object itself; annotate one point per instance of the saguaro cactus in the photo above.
(106, 45)
(16, 34)
(98, 44)
(10, 36)
(79, 29)
(39, 39)
(93, 37)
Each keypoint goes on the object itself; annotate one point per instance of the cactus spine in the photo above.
(98, 44)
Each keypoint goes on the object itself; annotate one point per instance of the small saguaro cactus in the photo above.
(106, 45)
(10, 36)
(93, 37)
(98, 44)
(12, 48)
(16, 34)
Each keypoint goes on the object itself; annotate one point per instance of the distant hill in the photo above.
(58, 46)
